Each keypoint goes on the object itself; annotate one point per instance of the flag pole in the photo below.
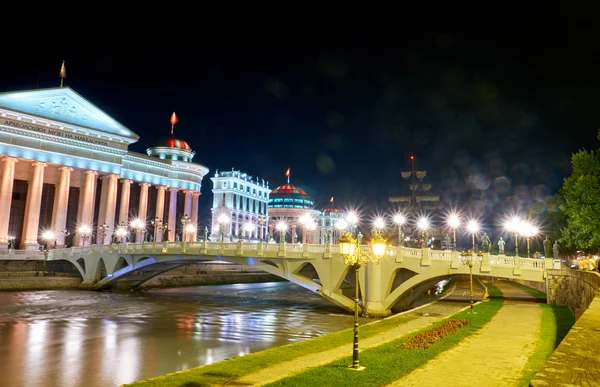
(63, 73)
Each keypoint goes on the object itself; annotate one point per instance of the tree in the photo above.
(579, 202)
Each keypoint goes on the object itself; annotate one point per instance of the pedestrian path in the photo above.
(495, 356)
(428, 314)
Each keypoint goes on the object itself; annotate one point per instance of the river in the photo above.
(74, 338)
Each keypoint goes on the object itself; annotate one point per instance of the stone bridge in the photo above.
(401, 275)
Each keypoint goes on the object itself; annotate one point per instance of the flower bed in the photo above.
(425, 339)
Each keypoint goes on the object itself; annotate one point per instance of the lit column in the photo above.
(31, 219)
(172, 212)
(61, 202)
(87, 208)
(187, 209)
(195, 196)
(101, 209)
(142, 209)
(6, 188)
(160, 210)
(124, 209)
(111, 205)
(293, 233)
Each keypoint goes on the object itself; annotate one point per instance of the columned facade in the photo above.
(67, 177)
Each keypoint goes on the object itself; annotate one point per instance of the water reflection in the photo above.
(78, 338)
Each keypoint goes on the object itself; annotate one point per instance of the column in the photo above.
(124, 209)
(293, 233)
(187, 209)
(6, 188)
(102, 209)
(31, 219)
(111, 205)
(142, 210)
(172, 212)
(195, 196)
(160, 210)
(61, 202)
(87, 205)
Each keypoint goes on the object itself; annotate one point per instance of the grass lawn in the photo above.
(493, 292)
(227, 370)
(387, 362)
(556, 322)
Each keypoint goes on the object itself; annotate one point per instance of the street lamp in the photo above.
(121, 232)
(514, 226)
(400, 219)
(65, 234)
(185, 221)
(528, 230)
(189, 229)
(249, 229)
(11, 241)
(472, 227)
(355, 257)
(139, 225)
(103, 231)
(159, 227)
(352, 219)
(262, 220)
(223, 220)
(423, 225)
(85, 231)
(306, 221)
(47, 236)
(378, 225)
(454, 223)
(282, 228)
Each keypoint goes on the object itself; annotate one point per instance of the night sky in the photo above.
(491, 102)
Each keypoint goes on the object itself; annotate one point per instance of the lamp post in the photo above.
(85, 231)
(282, 228)
(262, 220)
(223, 220)
(400, 219)
(306, 220)
(514, 226)
(185, 221)
(472, 227)
(352, 220)
(454, 223)
(65, 234)
(47, 236)
(11, 242)
(121, 232)
(159, 226)
(103, 231)
(249, 229)
(423, 225)
(354, 257)
(139, 225)
(528, 231)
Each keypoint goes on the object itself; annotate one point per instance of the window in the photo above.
(224, 184)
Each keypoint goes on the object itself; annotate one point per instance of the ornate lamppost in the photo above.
(157, 223)
(139, 225)
(514, 226)
(423, 225)
(352, 220)
(454, 223)
(11, 242)
(249, 228)
(103, 232)
(185, 221)
(65, 234)
(47, 236)
(355, 257)
(529, 231)
(121, 233)
(399, 220)
(306, 220)
(223, 220)
(282, 228)
(472, 227)
(84, 231)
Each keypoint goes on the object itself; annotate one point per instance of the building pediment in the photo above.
(65, 105)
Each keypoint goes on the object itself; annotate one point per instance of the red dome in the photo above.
(174, 142)
(288, 189)
(331, 209)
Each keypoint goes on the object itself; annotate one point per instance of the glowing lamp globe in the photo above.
(48, 235)
(347, 244)
(379, 245)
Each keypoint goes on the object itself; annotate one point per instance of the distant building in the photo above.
(289, 203)
(328, 217)
(244, 200)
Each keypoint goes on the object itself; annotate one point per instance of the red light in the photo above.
(412, 157)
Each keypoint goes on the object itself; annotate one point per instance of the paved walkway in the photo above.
(428, 314)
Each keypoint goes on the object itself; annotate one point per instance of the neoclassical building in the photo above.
(66, 168)
(239, 201)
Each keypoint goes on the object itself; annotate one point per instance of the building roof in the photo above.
(173, 142)
(288, 189)
(329, 210)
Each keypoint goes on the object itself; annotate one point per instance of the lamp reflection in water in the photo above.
(354, 257)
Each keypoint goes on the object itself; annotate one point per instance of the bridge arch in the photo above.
(100, 271)
(121, 263)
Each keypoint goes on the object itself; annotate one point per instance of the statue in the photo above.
(547, 247)
(501, 244)
(486, 243)
(447, 241)
(176, 237)
(555, 250)
(328, 240)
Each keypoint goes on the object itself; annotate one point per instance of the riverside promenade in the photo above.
(494, 354)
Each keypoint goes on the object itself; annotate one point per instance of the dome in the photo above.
(288, 189)
(174, 142)
(330, 210)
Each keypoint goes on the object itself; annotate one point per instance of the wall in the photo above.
(573, 288)
(39, 283)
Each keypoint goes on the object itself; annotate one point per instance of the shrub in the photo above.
(425, 339)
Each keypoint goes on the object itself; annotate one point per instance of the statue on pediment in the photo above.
(40, 107)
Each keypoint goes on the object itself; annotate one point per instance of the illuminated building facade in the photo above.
(243, 200)
(65, 164)
(328, 217)
(291, 204)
